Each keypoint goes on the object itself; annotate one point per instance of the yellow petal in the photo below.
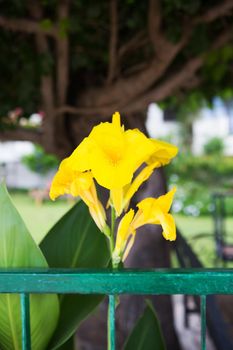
(139, 148)
(109, 174)
(107, 157)
(129, 246)
(116, 119)
(108, 137)
(70, 181)
(124, 231)
(168, 224)
(163, 152)
(82, 182)
(116, 196)
(61, 181)
(98, 214)
(146, 212)
(80, 158)
(150, 209)
(114, 154)
(89, 196)
(139, 179)
(165, 201)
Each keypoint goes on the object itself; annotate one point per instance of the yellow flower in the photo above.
(125, 236)
(113, 154)
(77, 183)
(155, 211)
(121, 197)
(150, 211)
(163, 152)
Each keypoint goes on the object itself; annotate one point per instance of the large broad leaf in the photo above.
(69, 344)
(75, 242)
(146, 333)
(18, 250)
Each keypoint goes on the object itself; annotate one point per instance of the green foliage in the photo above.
(197, 178)
(88, 30)
(146, 333)
(204, 169)
(216, 63)
(214, 146)
(18, 249)
(39, 161)
(19, 67)
(75, 242)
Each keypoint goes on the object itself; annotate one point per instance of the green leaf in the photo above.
(146, 333)
(75, 242)
(18, 250)
(68, 345)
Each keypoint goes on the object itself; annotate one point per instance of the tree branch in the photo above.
(83, 110)
(113, 41)
(22, 134)
(47, 94)
(161, 45)
(209, 16)
(137, 41)
(193, 82)
(154, 22)
(177, 80)
(121, 92)
(26, 26)
(184, 78)
(220, 10)
(166, 88)
(62, 47)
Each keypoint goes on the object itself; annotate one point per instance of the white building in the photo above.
(208, 124)
(13, 172)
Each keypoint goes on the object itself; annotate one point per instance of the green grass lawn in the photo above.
(39, 218)
(204, 245)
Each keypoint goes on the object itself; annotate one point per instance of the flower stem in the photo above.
(111, 322)
(112, 298)
(111, 238)
(113, 219)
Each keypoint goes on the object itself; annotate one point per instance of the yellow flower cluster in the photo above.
(111, 155)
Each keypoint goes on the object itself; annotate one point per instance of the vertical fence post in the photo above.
(203, 322)
(111, 323)
(25, 318)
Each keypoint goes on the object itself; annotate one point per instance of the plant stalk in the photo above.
(111, 238)
(112, 298)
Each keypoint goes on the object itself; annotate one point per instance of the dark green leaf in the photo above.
(75, 242)
(68, 345)
(146, 333)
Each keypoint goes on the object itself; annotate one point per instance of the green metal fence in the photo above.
(201, 282)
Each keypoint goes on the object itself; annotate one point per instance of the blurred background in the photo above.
(167, 67)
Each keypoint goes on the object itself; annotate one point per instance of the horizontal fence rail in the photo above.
(159, 281)
(201, 282)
